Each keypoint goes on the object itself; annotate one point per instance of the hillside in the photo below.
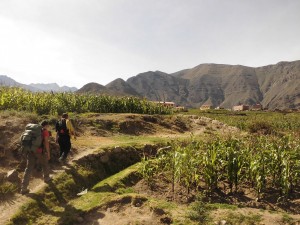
(274, 86)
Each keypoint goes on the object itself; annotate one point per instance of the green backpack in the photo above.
(31, 138)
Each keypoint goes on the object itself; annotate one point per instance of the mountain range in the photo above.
(274, 86)
(219, 85)
(7, 81)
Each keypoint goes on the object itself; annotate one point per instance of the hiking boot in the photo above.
(62, 161)
(47, 180)
(24, 191)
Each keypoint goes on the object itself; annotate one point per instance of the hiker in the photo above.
(64, 131)
(41, 155)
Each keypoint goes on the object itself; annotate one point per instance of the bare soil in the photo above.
(127, 211)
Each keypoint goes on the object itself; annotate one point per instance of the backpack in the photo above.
(31, 138)
(61, 127)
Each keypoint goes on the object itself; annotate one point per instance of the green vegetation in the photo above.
(286, 219)
(199, 211)
(238, 218)
(254, 121)
(268, 158)
(137, 140)
(259, 162)
(7, 189)
(118, 180)
(57, 103)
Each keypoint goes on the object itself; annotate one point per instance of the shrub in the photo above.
(261, 127)
(7, 189)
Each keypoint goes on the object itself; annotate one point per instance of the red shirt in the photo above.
(45, 134)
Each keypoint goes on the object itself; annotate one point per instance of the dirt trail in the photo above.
(9, 207)
(86, 145)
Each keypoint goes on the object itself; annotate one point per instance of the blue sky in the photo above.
(74, 42)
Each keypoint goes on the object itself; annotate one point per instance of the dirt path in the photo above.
(86, 145)
(9, 207)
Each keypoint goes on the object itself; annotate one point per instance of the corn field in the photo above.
(256, 162)
(57, 103)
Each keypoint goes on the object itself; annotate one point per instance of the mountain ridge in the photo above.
(35, 87)
(275, 86)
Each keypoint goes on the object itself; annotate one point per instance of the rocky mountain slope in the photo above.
(274, 86)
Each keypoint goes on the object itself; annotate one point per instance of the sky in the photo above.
(75, 42)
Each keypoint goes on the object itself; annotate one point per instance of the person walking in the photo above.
(40, 156)
(64, 132)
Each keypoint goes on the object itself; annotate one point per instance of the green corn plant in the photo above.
(285, 178)
(210, 165)
(148, 170)
(57, 103)
(257, 166)
(234, 162)
(288, 168)
(188, 164)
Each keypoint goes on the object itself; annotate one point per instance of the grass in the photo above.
(7, 189)
(239, 218)
(214, 206)
(5, 114)
(279, 121)
(177, 212)
(29, 116)
(162, 204)
(200, 210)
(116, 181)
(128, 140)
(92, 200)
(286, 219)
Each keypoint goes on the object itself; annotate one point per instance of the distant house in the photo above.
(206, 107)
(256, 107)
(180, 109)
(169, 104)
(240, 107)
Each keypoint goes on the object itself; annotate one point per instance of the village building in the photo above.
(240, 108)
(206, 107)
(257, 107)
(169, 104)
(180, 109)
